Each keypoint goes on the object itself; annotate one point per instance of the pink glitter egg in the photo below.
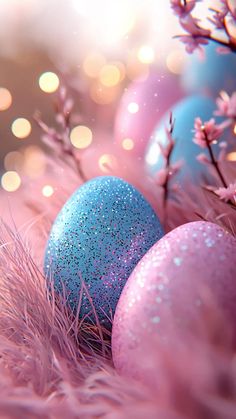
(169, 290)
(142, 105)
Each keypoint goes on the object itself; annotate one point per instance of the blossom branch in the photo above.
(215, 162)
(227, 194)
(205, 135)
(169, 170)
(195, 34)
(168, 157)
(226, 107)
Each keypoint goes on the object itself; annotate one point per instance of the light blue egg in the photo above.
(99, 236)
(184, 114)
(214, 73)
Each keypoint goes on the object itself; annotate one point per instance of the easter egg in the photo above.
(185, 150)
(142, 105)
(211, 73)
(97, 239)
(168, 291)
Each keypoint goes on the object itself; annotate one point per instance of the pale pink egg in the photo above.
(143, 103)
(168, 292)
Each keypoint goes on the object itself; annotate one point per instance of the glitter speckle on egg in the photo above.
(168, 290)
(100, 234)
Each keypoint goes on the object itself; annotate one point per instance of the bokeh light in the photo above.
(122, 69)
(231, 156)
(234, 129)
(110, 75)
(103, 95)
(93, 63)
(13, 160)
(136, 69)
(133, 107)
(21, 128)
(107, 162)
(47, 191)
(5, 99)
(49, 82)
(34, 161)
(81, 136)
(128, 144)
(146, 54)
(176, 61)
(11, 181)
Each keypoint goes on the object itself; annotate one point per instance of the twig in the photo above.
(167, 166)
(214, 161)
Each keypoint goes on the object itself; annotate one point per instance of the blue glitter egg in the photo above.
(211, 74)
(98, 237)
(184, 114)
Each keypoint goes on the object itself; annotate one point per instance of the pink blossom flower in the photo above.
(223, 50)
(191, 25)
(202, 158)
(218, 19)
(196, 35)
(169, 170)
(182, 8)
(231, 7)
(223, 150)
(175, 168)
(161, 176)
(227, 194)
(192, 42)
(206, 133)
(226, 105)
(167, 149)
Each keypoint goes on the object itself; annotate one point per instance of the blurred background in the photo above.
(97, 49)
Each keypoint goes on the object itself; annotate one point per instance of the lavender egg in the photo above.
(168, 291)
(142, 105)
(97, 239)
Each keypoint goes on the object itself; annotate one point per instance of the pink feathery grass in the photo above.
(49, 370)
(55, 365)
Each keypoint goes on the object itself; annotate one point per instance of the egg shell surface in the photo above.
(168, 292)
(97, 239)
(211, 72)
(142, 105)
